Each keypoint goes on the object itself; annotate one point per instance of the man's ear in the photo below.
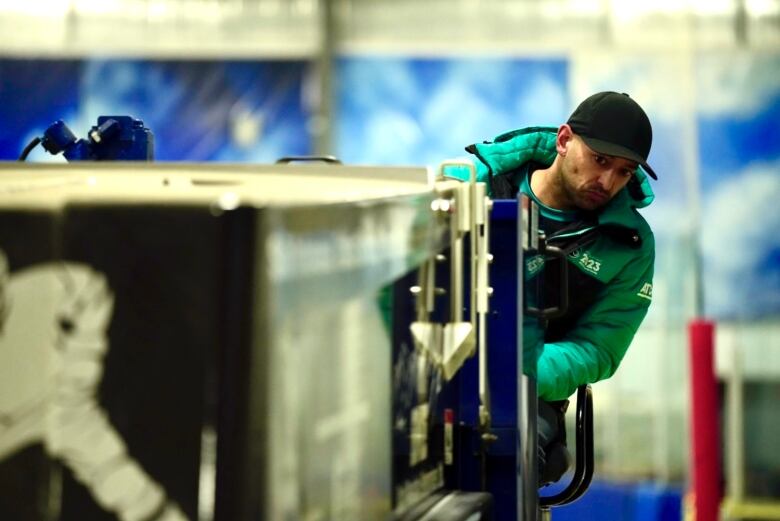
(564, 139)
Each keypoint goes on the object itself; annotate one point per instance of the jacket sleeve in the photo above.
(594, 348)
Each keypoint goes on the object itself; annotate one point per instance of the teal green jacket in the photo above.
(611, 273)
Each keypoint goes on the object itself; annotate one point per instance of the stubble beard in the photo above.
(570, 199)
(571, 195)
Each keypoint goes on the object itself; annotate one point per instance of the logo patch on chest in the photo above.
(590, 263)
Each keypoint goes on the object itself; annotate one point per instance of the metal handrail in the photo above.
(308, 159)
(584, 465)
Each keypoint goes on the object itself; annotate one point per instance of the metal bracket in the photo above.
(450, 344)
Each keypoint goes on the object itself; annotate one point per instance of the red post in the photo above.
(705, 424)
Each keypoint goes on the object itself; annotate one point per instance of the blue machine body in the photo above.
(458, 398)
(502, 338)
(114, 138)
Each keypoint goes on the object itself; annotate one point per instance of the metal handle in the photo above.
(322, 159)
(583, 468)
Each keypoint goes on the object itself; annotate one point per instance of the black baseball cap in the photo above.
(613, 124)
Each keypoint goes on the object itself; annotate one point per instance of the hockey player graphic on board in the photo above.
(54, 319)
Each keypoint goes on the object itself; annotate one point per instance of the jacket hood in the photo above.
(510, 150)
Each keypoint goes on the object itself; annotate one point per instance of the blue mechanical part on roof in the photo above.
(114, 138)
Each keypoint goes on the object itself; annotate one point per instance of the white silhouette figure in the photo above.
(53, 338)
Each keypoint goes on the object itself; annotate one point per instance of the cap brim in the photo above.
(611, 149)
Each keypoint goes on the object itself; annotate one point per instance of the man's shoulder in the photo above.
(512, 149)
(616, 247)
(645, 232)
(623, 215)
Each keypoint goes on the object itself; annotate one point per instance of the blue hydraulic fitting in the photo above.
(114, 138)
(57, 138)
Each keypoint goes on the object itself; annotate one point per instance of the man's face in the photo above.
(589, 180)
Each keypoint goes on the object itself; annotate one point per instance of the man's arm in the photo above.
(593, 349)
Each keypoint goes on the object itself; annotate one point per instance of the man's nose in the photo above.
(607, 180)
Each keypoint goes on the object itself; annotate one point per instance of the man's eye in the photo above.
(601, 160)
(628, 172)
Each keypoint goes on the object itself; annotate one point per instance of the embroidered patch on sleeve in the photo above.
(646, 292)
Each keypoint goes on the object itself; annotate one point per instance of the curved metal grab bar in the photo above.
(583, 468)
(296, 159)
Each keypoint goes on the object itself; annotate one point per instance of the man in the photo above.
(587, 178)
